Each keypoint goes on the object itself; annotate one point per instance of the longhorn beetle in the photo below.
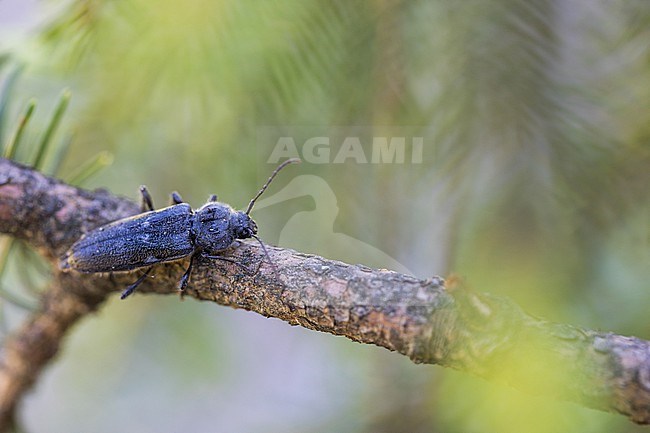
(165, 235)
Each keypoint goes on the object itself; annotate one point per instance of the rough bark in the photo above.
(429, 321)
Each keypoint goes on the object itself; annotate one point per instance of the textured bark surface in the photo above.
(429, 321)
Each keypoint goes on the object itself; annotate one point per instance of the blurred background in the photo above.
(532, 182)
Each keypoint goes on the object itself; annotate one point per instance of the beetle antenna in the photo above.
(266, 253)
(268, 182)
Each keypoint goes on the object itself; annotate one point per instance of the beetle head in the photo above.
(243, 226)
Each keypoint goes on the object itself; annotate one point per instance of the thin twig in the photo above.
(426, 320)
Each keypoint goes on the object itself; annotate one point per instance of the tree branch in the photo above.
(427, 320)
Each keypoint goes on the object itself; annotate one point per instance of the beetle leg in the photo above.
(226, 259)
(186, 277)
(212, 198)
(147, 202)
(133, 286)
(176, 198)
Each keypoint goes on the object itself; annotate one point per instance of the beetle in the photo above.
(165, 235)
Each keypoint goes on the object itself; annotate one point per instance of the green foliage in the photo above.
(45, 155)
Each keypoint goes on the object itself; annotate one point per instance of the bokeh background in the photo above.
(534, 184)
